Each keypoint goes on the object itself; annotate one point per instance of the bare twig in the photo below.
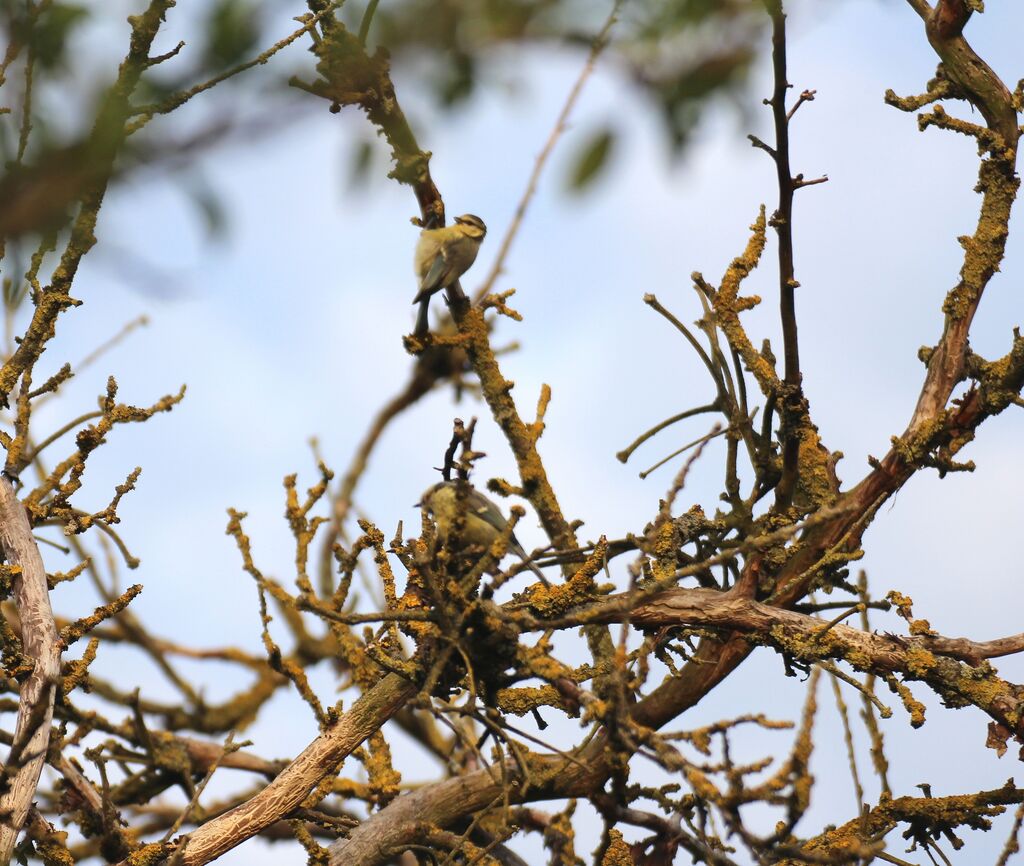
(624, 455)
(782, 219)
(560, 126)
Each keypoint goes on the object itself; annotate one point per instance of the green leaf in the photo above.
(458, 79)
(362, 163)
(232, 33)
(52, 30)
(591, 160)
(210, 207)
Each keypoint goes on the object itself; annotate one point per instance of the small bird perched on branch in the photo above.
(442, 256)
(484, 521)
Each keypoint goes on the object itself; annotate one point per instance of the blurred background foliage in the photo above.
(59, 56)
(678, 52)
(57, 60)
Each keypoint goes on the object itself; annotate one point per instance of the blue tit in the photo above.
(442, 256)
(484, 521)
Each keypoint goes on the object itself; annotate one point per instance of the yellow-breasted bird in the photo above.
(442, 256)
(483, 522)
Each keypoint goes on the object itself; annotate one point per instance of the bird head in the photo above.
(472, 225)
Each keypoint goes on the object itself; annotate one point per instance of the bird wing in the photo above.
(489, 513)
(486, 510)
(433, 279)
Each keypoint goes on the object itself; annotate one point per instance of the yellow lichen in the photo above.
(618, 852)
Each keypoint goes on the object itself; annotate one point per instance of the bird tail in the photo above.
(423, 295)
(436, 278)
(536, 570)
(423, 318)
(518, 550)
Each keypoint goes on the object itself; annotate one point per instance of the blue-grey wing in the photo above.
(486, 510)
(433, 280)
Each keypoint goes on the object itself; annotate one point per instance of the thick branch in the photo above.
(921, 813)
(997, 181)
(319, 759)
(386, 834)
(41, 645)
(933, 660)
(932, 426)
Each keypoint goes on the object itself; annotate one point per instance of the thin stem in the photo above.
(851, 754)
(625, 453)
(783, 223)
(707, 437)
(146, 113)
(364, 26)
(600, 41)
(889, 858)
(103, 348)
(655, 304)
(53, 437)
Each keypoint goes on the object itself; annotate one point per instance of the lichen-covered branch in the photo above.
(464, 644)
(927, 818)
(522, 439)
(42, 648)
(953, 667)
(101, 150)
(319, 760)
(350, 76)
(998, 184)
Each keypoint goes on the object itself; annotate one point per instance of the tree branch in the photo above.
(318, 760)
(100, 151)
(41, 645)
(793, 407)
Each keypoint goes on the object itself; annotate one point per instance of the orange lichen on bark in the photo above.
(552, 601)
(618, 853)
(521, 437)
(728, 305)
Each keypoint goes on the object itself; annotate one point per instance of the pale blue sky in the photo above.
(292, 328)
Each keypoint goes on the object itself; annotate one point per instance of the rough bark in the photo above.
(41, 646)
